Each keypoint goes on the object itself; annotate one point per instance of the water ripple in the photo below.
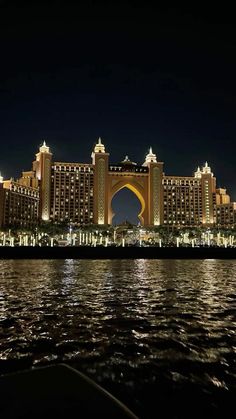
(141, 328)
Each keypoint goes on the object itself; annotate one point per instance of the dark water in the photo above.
(157, 334)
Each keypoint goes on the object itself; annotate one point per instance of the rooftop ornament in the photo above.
(206, 169)
(44, 148)
(128, 162)
(150, 157)
(198, 173)
(99, 147)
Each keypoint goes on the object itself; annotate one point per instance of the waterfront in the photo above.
(113, 253)
(155, 333)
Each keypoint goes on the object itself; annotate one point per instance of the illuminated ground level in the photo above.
(120, 236)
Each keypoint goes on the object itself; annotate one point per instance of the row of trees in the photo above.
(163, 232)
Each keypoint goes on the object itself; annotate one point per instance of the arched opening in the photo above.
(127, 206)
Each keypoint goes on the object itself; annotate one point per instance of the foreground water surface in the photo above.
(158, 334)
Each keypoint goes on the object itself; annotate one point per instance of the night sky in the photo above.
(134, 75)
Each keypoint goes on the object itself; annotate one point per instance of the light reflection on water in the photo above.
(141, 328)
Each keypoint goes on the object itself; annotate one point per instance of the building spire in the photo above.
(198, 173)
(206, 169)
(150, 157)
(99, 147)
(1, 178)
(44, 148)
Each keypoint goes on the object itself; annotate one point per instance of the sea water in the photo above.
(160, 335)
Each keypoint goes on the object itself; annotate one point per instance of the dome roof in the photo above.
(128, 162)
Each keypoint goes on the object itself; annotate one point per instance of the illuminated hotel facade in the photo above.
(81, 194)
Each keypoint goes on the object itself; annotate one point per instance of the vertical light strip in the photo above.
(101, 191)
(46, 191)
(156, 220)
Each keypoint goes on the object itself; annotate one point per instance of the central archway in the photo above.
(126, 207)
(139, 191)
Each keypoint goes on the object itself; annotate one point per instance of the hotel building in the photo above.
(82, 193)
(19, 204)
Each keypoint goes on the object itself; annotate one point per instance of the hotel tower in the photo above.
(82, 193)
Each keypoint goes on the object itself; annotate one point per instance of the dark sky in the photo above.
(132, 74)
